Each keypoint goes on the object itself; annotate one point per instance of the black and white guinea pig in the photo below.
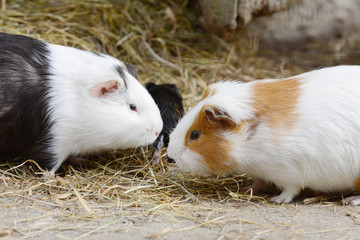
(58, 101)
(299, 132)
(169, 101)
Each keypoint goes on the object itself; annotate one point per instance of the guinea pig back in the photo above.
(299, 132)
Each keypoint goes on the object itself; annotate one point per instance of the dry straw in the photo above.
(167, 44)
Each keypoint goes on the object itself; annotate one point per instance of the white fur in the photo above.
(186, 159)
(321, 151)
(83, 123)
(191, 161)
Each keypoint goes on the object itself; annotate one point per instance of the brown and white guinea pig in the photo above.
(58, 101)
(299, 132)
(169, 101)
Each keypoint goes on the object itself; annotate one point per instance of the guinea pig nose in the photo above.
(157, 133)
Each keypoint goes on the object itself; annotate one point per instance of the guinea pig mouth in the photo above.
(183, 167)
(170, 160)
(150, 137)
(171, 156)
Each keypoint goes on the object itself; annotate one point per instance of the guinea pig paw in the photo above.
(48, 176)
(284, 197)
(353, 200)
(156, 158)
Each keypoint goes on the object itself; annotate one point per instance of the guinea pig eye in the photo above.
(132, 107)
(194, 135)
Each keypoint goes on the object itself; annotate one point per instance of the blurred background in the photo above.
(193, 43)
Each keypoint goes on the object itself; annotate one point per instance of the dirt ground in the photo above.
(32, 219)
(33, 214)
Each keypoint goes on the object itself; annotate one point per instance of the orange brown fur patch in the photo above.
(357, 184)
(212, 145)
(209, 91)
(276, 101)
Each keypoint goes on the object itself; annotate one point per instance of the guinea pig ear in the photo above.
(131, 69)
(253, 124)
(217, 116)
(103, 88)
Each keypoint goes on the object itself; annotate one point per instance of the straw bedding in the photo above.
(167, 44)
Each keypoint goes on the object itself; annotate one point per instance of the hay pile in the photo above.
(167, 44)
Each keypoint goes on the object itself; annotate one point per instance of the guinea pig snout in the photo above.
(153, 131)
(172, 153)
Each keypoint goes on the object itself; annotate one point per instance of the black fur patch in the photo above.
(97, 54)
(131, 69)
(169, 101)
(24, 120)
(121, 72)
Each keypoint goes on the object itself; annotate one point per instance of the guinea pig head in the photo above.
(121, 113)
(209, 136)
(200, 142)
